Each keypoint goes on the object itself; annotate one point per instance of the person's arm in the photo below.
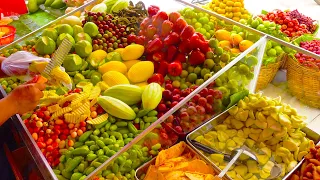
(2, 74)
(7, 109)
(21, 100)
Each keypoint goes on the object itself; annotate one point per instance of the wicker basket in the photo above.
(303, 82)
(268, 72)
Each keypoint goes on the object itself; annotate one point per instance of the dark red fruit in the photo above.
(175, 68)
(187, 32)
(166, 28)
(196, 57)
(159, 18)
(171, 52)
(172, 39)
(173, 16)
(163, 68)
(157, 78)
(153, 10)
(179, 25)
(154, 45)
(158, 56)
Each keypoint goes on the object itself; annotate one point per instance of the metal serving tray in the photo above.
(220, 118)
(143, 169)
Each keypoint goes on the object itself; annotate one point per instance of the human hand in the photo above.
(26, 97)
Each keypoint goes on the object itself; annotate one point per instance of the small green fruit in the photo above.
(272, 52)
(72, 62)
(45, 45)
(32, 6)
(82, 36)
(51, 33)
(64, 35)
(65, 28)
(83, 48)
(77, 29)
(91, 29)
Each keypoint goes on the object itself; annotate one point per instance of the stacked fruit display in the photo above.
(268, 127)
(310, 62)
(9, 84)
(273, 51)
(293, 23)
(231, 9)
(202, 22)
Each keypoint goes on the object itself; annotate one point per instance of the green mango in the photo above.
(57, 4)
(40, 1)
(32, 6)
(48, 3)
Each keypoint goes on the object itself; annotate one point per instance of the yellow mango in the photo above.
(261, 124)
(295, 154)
(275, 127)
(242, 104)
(267, 113)
(231, 132)
(301, 155)
(141, 71)
(237, 124)
(284, 120)
(241, 170)
(206, 142)
(132, 52)
(297, 121)
(278, 159)
(232, 174)
(275, 116)
(217, 158)
(231, 143)
(246, 99)
(244, 115)
(264, 174)
(239, 140)
(255, 131)
(273, 141)
(254, 136)
(240, 133)
(261, 117)
(291, 165)
(261, 103)
(233, 111)
(283, 169)
(249, 122)
(199, 138)
(238, 177)
(213, 134)
(250, 143)
(113, 66)
(253, 178)
(283, 152)
(246, 131)
(268, 167)
(248, 176)
(266, 134)
(262, 159)
(221, 127)
(251, 114)
(304, 145)
(253, 166)
(222, 136)
(291, 146)
(281, 133)
(267, 151)
(130, 63)
(228, 120)
(221, 145)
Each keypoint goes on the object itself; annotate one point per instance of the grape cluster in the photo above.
(112, 35)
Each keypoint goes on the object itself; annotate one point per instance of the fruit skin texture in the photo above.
(129, 94)
(72, 62)
(175, 68)
(222, 34)
(153, 10)
(151, 96)
(141, 71)
(155, 45)
(116, 108)
(112, 78)
(244, 45)
(187, 32)
(173, 16)
(196, 57)
(45, 45)
(113, 66)
(179, 25)
(156, 78)
(132, 52)
(129, 64)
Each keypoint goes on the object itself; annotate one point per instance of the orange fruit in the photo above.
(223, 34)
(236, 39)
(225, 44)
(235, 51)
(244, 45)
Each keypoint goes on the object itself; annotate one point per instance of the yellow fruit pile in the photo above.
(232, 41)
(233, 9)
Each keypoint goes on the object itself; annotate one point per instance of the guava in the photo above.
(57, 4)
(64, 35)
(65, 28)
(77, 29)
(91, 29)
(72, 62)
(71, 20)
(51, 33)
(82, 36)
(83, 48)
(272, 52)
(278, 49)
(45, 45)
(113, 56)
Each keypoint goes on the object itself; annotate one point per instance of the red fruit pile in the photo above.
(53, 135)
(170, 41)
(292, 23)
(313, 46)
(198, 110)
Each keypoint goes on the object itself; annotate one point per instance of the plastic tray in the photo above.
(220, 118)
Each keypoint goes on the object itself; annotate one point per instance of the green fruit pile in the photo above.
(201, 22)
(9, 84)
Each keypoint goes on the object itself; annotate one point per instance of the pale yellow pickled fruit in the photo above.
(130, 63)
(141, 71)
(112, 78)
(113, 66)
(132, 52)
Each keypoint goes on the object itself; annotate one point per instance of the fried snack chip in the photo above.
(195, 176)
(199, 166)
(174, 175)
(173, 152)
(151, 173)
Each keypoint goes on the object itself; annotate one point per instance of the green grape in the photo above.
(234, 90)
(208, 63)
(202, 31)
(224, 90)
(197, 70)
(183, 86)
(209, 55)
(199, 81)
(204, 71)
(219, 81)
(244, 69)
(250, 75)
(197, 25)
(233, 83)
(194, 20)
(184, 74)
(176, 84)
(217, 67)
(192, 77)
(207, 76)
(190, 69)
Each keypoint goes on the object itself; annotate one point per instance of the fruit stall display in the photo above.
(129, 66)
